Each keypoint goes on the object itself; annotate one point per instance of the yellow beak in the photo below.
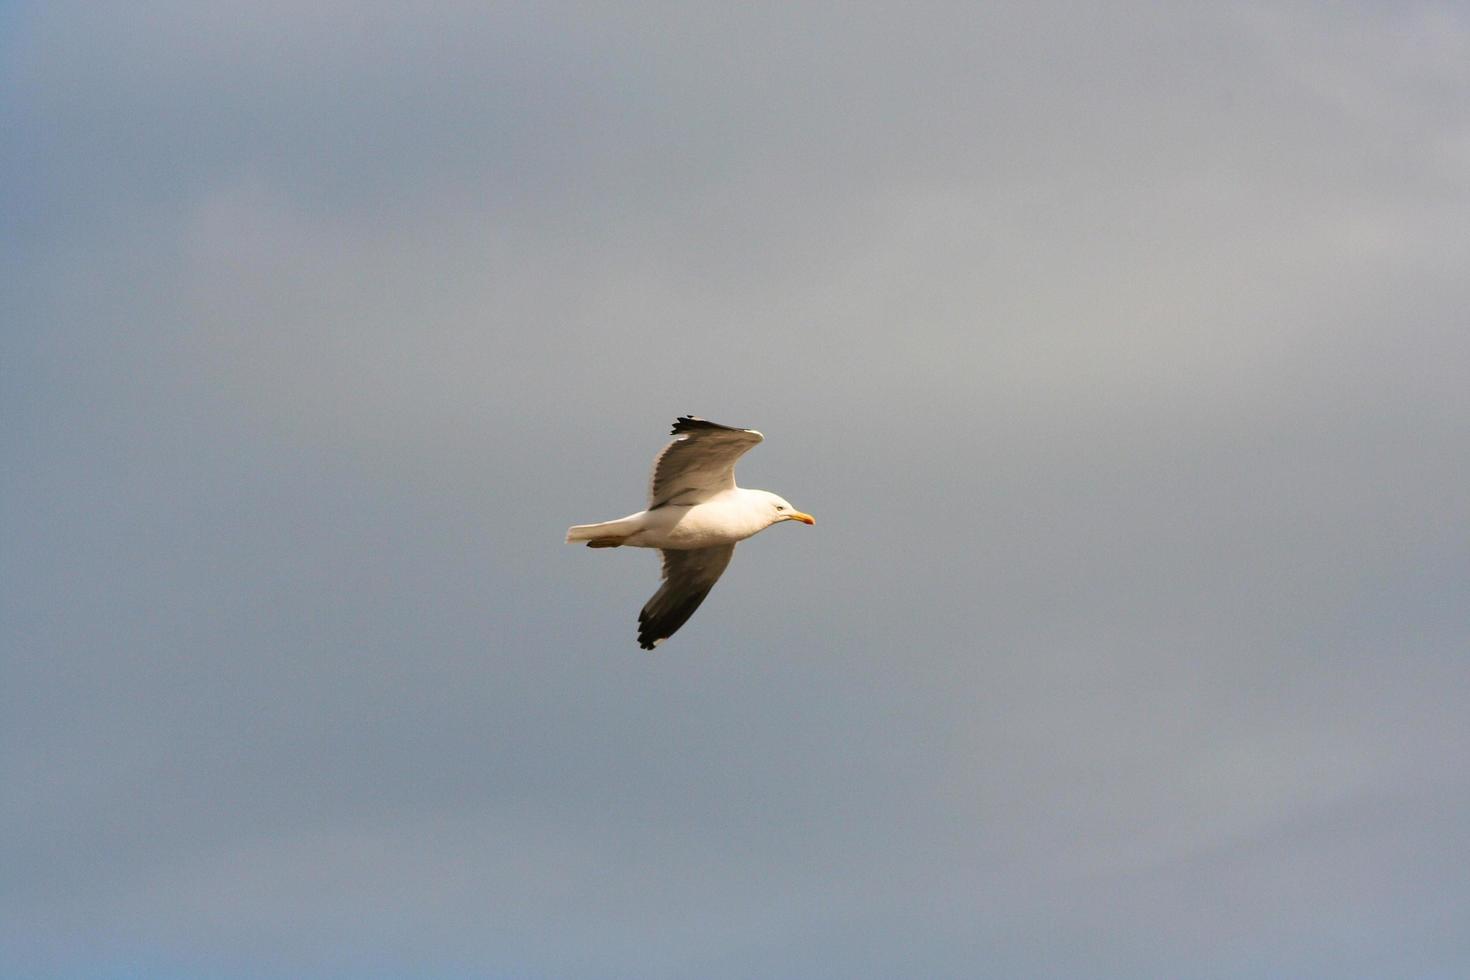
(797, 515)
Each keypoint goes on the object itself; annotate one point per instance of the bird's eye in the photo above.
(779, 507)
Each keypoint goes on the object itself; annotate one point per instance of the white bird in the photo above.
(695, 516)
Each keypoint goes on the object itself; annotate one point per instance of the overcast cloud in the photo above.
(1121, 352)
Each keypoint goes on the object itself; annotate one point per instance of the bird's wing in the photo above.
(699, 462)
(688, 577)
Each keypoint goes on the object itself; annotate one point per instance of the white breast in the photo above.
(723, 519)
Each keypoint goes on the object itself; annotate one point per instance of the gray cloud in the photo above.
(1118, 352)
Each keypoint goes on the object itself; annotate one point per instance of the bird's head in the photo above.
(781, 510)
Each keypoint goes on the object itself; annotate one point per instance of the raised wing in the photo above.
(699, 462)
(688, 577)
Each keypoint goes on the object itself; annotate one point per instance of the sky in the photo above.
(1118, 349)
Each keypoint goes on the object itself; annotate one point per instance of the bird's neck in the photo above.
(755, 507)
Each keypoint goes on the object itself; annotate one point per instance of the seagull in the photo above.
(695, 516)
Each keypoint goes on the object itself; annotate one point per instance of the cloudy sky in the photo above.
(1119, 350)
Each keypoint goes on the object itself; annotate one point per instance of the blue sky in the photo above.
(1119, 352)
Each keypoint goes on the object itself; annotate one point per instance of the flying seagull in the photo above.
(695, 515)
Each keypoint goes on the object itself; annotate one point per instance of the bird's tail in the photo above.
(608, 534)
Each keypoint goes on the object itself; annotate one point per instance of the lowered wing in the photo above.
(688, 577)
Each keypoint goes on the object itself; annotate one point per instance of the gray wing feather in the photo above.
(688, 577)
(699, 462)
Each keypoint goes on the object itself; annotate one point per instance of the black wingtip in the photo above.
(657, 625)
(693, 423)
(648, 631)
